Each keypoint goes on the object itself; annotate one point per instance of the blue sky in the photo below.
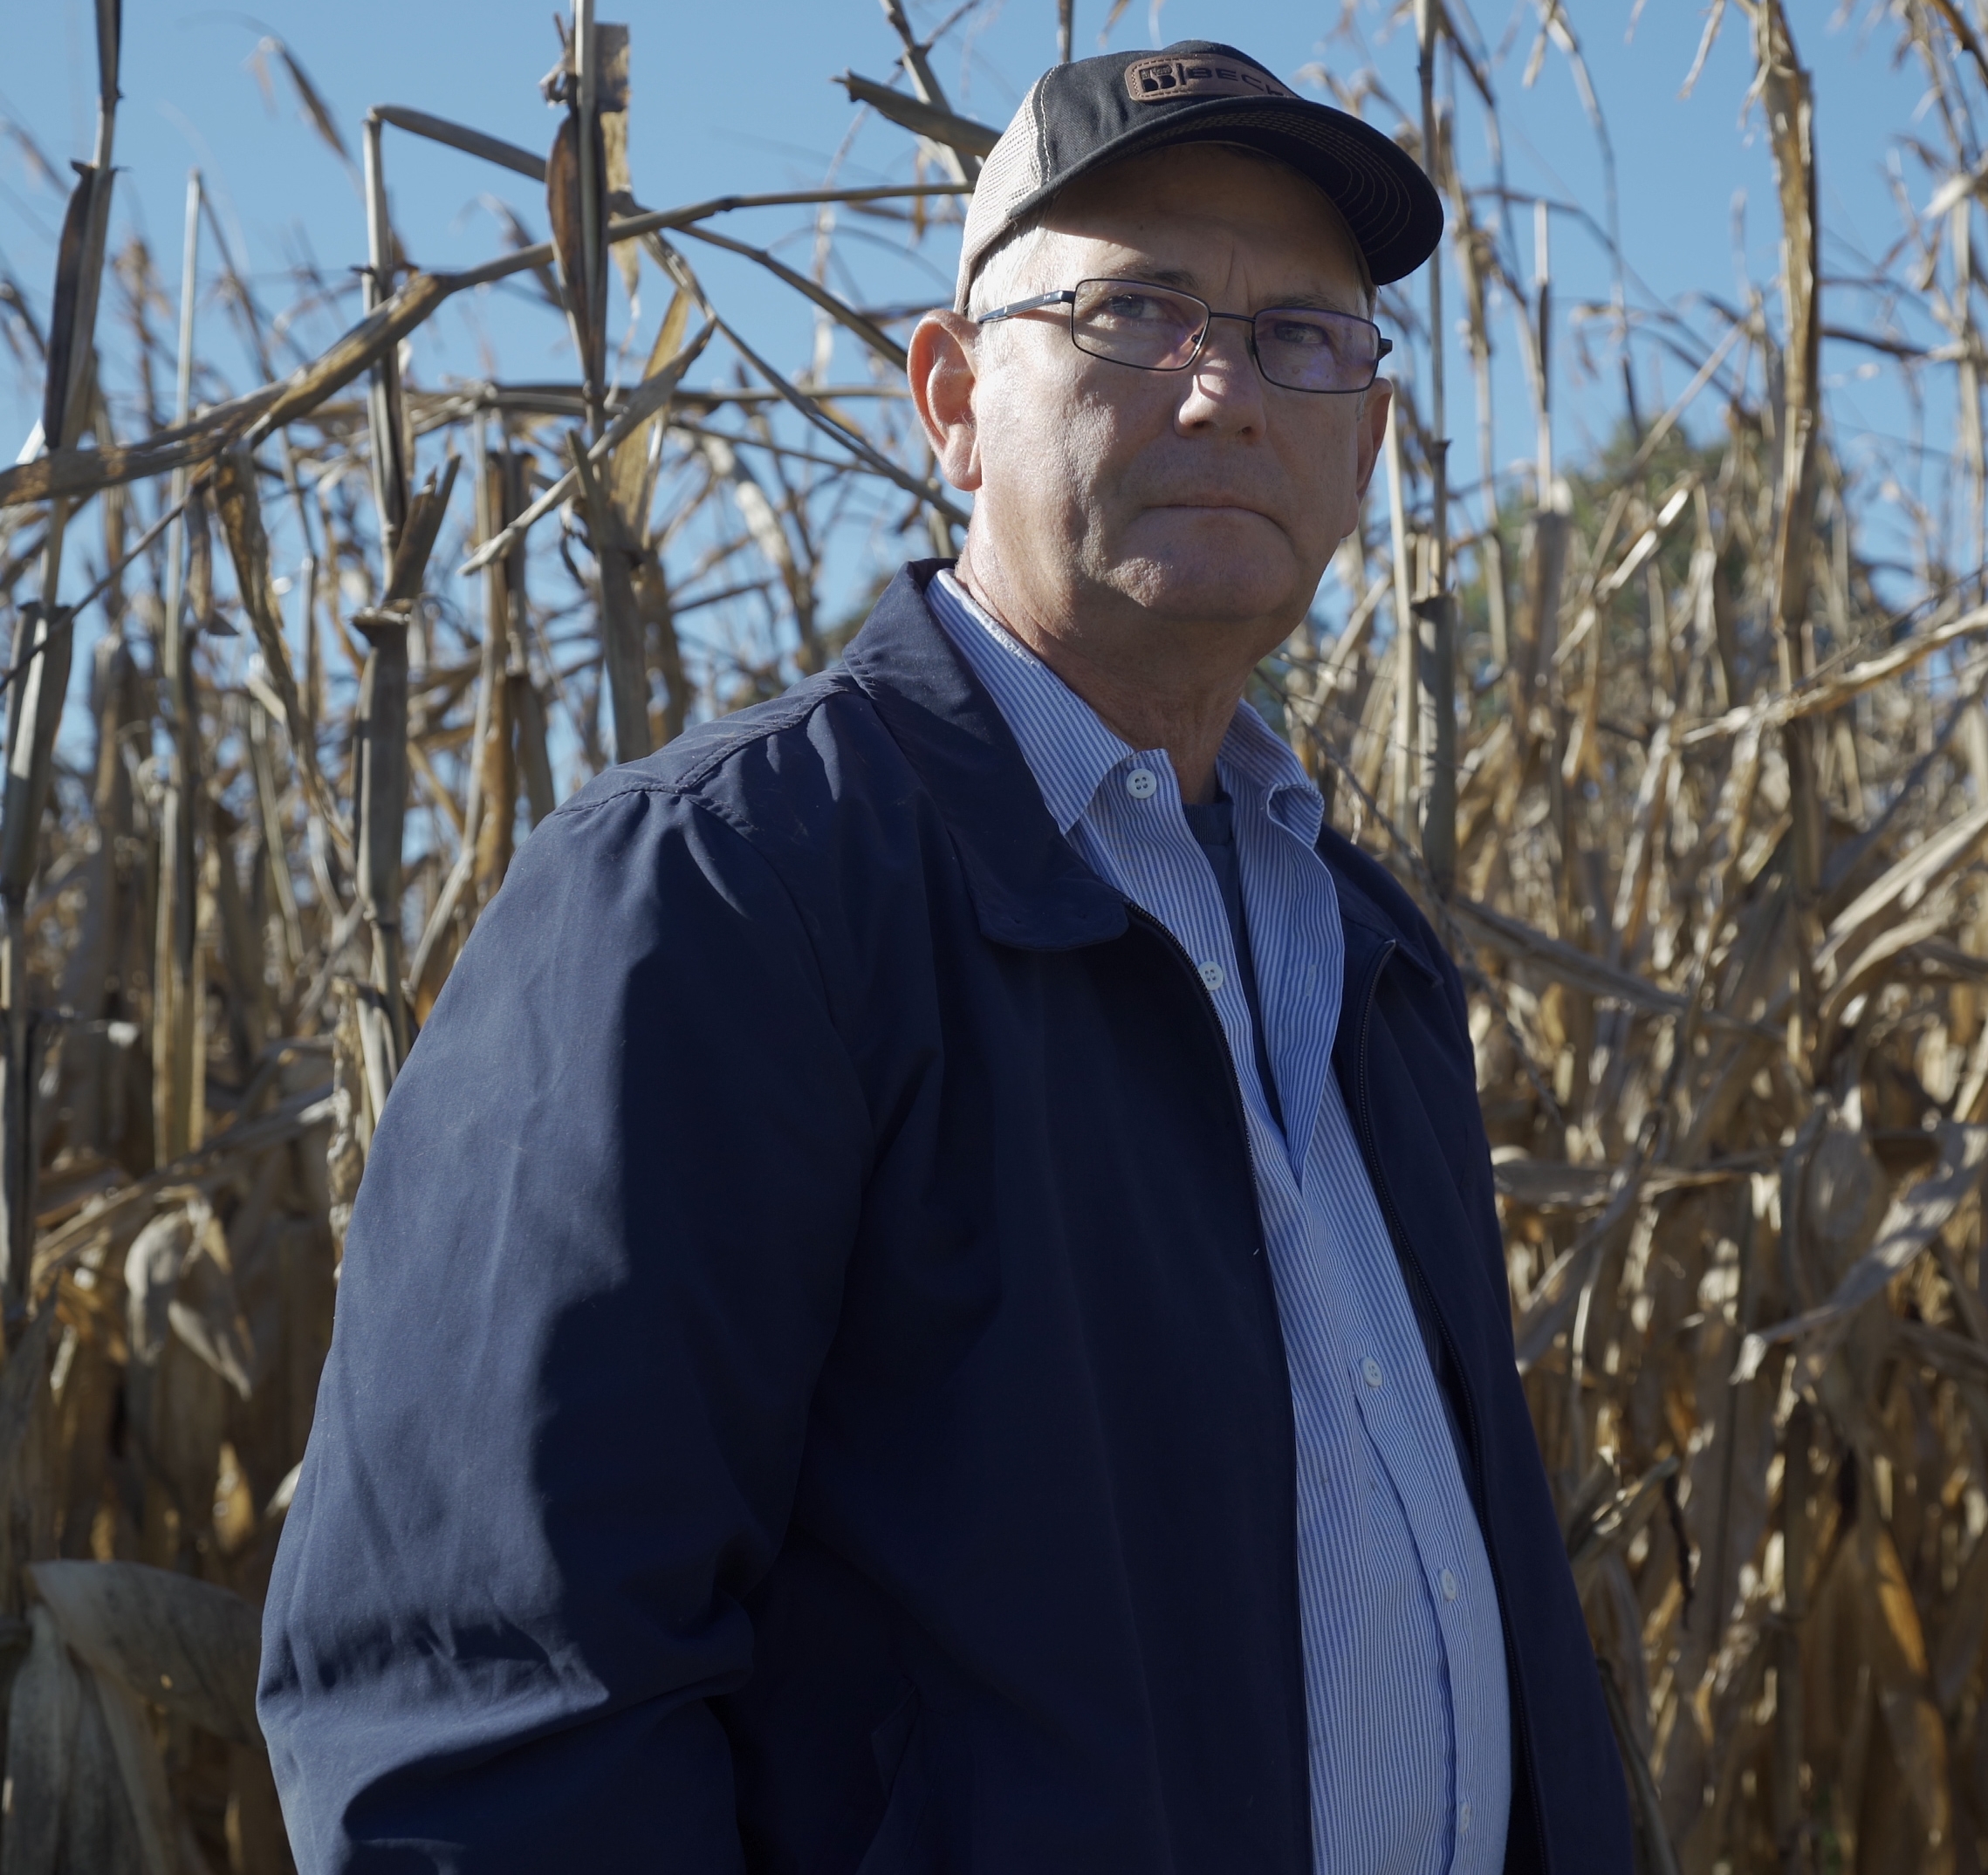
(738, 97)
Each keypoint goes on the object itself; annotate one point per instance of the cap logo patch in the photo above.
(1161, 80)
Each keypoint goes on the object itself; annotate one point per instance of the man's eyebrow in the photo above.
(1185, 280)
(1311, 302)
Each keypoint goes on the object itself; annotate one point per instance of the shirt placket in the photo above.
(1296, 963)
(1147, 852)
(1383, 1364)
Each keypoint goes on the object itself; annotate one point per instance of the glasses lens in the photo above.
(1132, 324)
(1305, 349)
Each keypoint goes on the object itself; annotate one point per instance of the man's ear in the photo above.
(1379, 400)
(943, 367)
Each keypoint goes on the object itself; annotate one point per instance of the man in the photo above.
(930, 1299)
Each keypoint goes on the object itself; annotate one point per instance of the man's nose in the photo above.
(1226, 391)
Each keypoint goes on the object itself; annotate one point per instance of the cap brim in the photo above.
(1390, 207)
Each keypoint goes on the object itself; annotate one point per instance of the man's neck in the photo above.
(1186, 714)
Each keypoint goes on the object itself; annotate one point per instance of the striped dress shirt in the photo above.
(1406, 1704)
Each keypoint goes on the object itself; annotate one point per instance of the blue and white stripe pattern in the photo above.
(1404, 1652)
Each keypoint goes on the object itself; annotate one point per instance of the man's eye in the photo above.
(1307, 334)
(1135, 308)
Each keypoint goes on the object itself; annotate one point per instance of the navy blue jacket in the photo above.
(807, 1395)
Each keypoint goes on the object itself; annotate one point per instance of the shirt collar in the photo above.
(1256, 760)
(1070, 751)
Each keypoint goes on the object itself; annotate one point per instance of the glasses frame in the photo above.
(1067, 296)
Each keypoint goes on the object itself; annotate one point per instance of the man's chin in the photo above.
(1207, 562)
(1237, 585)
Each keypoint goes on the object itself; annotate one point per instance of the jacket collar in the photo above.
(1029, 887)
(1371, 944)
(1372, 931)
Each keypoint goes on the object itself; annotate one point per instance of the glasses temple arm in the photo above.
(1065, 298)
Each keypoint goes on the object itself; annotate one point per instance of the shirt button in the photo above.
(1213, 975)
(1463, 1820)
(1449, 1586)
(1141, 784)
(1371, 1372)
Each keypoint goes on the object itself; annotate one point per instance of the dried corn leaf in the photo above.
(844, 315)
(1958, 1645)
(248, 545)
(290, 1119)
(425, 512)
(948, 127)
(372, 339)
(1833, 1195)
(72, 474)
(648, 399)
(1831, 690)
(1904, 884)
(41, 1734)
(149, 1798)
(165, 1637)
(71, 313)
(587, 315)
(1565, 962)
(1956, 1356)
(1550, 1184)
(99, 1831)
(206, 1315)
(1915, 1217)
(628, 469)
(1613, 1524)
(461, 137)
(316, 110)
(152, 1270)
(1898, 1650)
(818, 414)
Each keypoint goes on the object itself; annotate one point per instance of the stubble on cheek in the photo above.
(1052, 454)
(1097, 478)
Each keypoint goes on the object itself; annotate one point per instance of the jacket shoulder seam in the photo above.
(690, 783)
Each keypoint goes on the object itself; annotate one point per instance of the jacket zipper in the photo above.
(1404, 1255)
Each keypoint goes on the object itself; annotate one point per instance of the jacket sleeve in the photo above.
(591, 1276)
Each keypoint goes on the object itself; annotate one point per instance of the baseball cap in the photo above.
(1079, 117)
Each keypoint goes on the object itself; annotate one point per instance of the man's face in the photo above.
(1204, 494)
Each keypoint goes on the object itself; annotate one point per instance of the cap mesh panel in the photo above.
(1015, 169)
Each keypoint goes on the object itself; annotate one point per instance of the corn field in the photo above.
(1692, 778)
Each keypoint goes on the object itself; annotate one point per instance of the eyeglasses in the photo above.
(1155, 328)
